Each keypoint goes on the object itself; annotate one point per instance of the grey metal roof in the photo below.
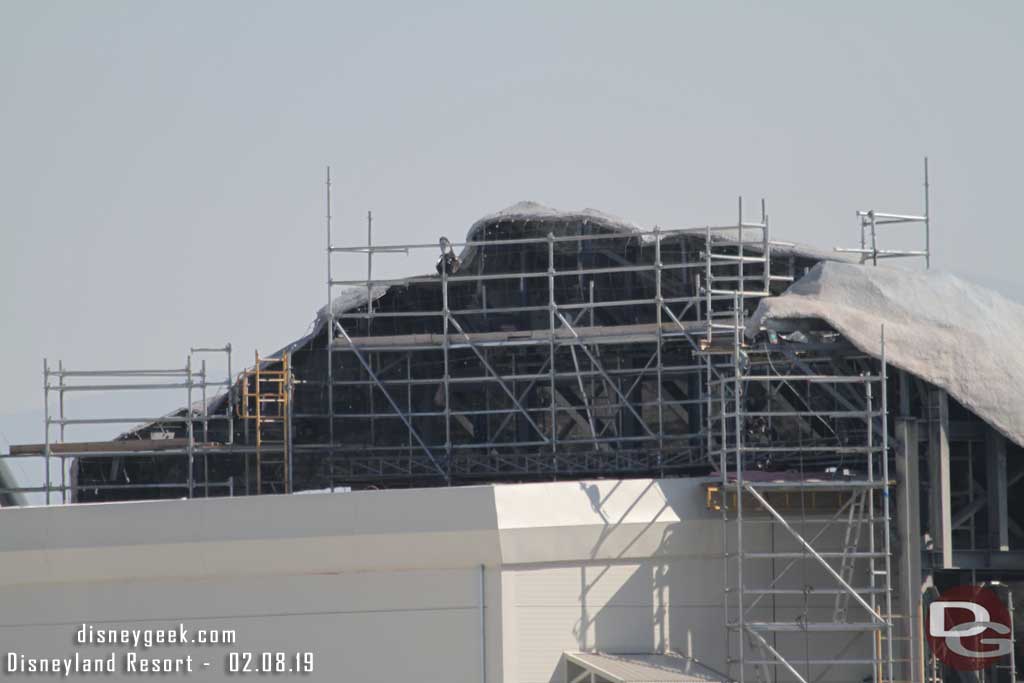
(642, 668)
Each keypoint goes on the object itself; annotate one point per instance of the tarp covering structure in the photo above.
(949, 332)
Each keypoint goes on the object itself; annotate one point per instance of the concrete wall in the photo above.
(380, 586)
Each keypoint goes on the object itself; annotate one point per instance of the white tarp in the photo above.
(959, 336)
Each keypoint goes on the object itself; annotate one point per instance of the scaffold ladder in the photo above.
(265, 404)
(757, 385)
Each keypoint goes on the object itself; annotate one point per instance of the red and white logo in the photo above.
(969, 628)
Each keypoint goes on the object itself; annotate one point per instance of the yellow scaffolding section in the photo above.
(266, 402)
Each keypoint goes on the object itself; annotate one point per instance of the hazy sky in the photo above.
(161, 183)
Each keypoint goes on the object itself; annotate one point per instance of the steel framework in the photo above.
(558, 350)
(872, 221)
(572, 345)
(194, 381)
(771, 400)
(599, 370)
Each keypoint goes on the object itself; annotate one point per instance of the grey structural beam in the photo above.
(998, 491)
(988, 560)
(908, 510)
(940, 523)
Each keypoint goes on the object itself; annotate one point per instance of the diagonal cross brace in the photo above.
(496, 376)
(774, 653)
(789, 565)
(583, 391)
(529, 387)
(804, 368)
(632, 386)
(600, 369)
(678, 322)
(814, 553)
(394, 405)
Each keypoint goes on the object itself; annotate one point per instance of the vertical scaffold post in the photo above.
(60, 407)
(206, 436)
(740, 252)
(659, 301)
(552, 309)
(206, 421)
(927, 220)
(447, 362)
(863, 239)
(766, 249)
(369, 318)
(876, 649)
(874, 238)
(244, 413)
(188, 424)
(886, 513)
(738, 445)
(60, 397)
(231, 399)
(707, 284)
(723, 469)
(46, 422)
(285, 396)
(369, 267)
(257, 389)
(330, 343)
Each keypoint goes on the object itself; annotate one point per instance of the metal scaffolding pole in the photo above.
(330, 337)
(46, 419)
(810, 385)
(634, 406)
(871, 221)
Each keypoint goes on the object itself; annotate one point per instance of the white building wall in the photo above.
(383, 586)
(379, 586)
(619, 567)
(614, 608)
(361, 626)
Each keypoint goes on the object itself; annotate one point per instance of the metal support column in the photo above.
(940, 524)
(909, 542)
(996, 483)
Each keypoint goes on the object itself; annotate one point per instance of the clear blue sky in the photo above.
(161, 182)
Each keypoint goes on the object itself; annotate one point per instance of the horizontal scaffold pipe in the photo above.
(664, 233)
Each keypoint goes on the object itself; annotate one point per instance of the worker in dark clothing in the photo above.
(448, 262)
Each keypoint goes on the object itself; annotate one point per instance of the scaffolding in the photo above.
(801, 444)
(576, 390)
(572, 351)
(170, 436)
(265, 408)
(553, 345)
(553, 348)
(871, 222)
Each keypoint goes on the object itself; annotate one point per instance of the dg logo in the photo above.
(969, 628)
